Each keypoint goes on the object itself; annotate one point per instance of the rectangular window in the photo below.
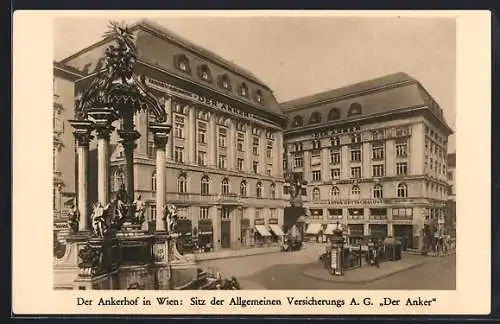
(202, 132)
(151, 147)
(402, 168)
(225, 213)
(401, 148)
(202, 158)
(203, 212)
(402, 213)
(450, 176)
(334, 157)
(222, 137)
(335, 174)
(222, 161)
(378, 170)
(179, 126)
(356, 172)
(255, 145)
(255, 166)
(378, 213)
(269, 150)
(179, 154)
(355, 155)
(298, 161)
(258, 213)
(269, 169)
(316, 158)
(378, 151)
(241, 142)
(316, 175)
(240, 164)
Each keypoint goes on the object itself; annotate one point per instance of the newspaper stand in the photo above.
(336, 257)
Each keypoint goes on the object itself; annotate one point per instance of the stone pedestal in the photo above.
(66, 264)
(183, 269)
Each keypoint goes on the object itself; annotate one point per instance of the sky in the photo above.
(300, 56)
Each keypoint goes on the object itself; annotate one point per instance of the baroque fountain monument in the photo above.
(106, 247)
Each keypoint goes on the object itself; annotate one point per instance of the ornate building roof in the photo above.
(162, 48)
(394, 92)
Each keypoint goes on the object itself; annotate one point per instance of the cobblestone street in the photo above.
(292, 271)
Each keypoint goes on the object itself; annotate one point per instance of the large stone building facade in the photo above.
(63, 142)
(224, 154)
(374, 156)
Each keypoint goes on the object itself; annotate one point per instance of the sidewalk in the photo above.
(224, 254)
(250, 285)
(365, 274)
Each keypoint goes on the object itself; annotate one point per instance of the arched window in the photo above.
(355, 191)
(244, 90)
(334, 193)
(118, 180)
(355, 109)
(402, 190)
(315, 118)
(153, 182)
(182, 184)
(297, 121)
(273, 190)
(225, 186)
(205, 185)
(334, 114)
(243, 188)
(259, 190)
(258, 96)
(182, 63)
(224, 82)
(204, 73)
(316, 194)
(378, 191)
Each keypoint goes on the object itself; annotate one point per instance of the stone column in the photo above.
(128, 136)
(214, 215)
(191, 145)
(160, 133)
(366, 229)
(278, 154)
(104, 130)
(212, 141)
(83, 138)
(231, 149)
(249, 148)
(170, 119)
(263, 152)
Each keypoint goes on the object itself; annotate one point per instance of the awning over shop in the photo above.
(276, 230)
(313, 228)
(331, 227)
(262, 230)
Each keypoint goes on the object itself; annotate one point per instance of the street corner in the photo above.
(364, 274)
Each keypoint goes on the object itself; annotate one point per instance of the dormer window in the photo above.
(182, 63)
(297, 121)
(355, 109)
(204, 73)
(334, 114)
(244, 90)
(315, 118)
(258, 96)
(224, 82)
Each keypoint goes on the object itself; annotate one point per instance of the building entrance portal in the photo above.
(405, 234)
(225, 234)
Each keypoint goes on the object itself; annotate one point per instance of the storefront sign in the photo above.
(260, 222)
(163, 86)
(273, 221)
(347, 202)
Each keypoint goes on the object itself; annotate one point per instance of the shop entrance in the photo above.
(405, 234)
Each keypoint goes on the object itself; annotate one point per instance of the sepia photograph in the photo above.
(198, 153)
(316, 163)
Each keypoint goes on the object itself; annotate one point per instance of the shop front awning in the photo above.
(276, 230)
(313, 228)
(330, 228)
(262, 230)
